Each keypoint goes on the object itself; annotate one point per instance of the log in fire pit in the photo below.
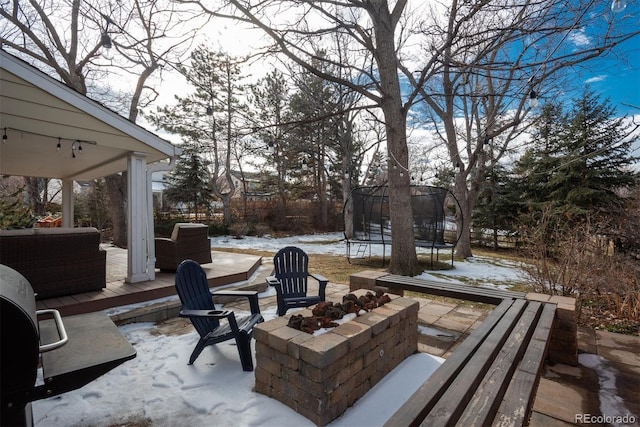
(320, 375)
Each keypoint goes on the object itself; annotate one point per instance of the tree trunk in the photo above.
(347, 203)
(33, 190)
(226, 209)
(322, 193)
(404, 260)
(117, 193)
(463, 220)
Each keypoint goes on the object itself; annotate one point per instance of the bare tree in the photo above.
(468, 62)
(375, 28)
(491, 58)
(66, 39)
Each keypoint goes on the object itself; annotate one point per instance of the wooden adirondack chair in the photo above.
(290, 280)
(215, 326)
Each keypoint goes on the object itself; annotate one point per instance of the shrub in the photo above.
(575, 262)
(239, 229)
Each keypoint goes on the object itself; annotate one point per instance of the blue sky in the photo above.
(617, 75)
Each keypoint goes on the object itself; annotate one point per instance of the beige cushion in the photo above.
(179, 225)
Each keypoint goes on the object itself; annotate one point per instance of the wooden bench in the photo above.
(451, 290)
(492, 377)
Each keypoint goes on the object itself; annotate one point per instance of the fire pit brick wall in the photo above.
(320, 376)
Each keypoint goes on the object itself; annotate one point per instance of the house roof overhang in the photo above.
(37, 112)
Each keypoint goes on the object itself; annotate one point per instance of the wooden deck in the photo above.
(225, 268)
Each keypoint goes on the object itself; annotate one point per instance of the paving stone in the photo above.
(587, 340)
(261, 331)
(561, 401)
(437, 308)
(426, 318)
(533, 296)
(471, 312)
(558, 299)
(433, 346)
(324, 349)
(542, 420)
(453, 324)
(378, 323)
(464, 320)
(619, 348)
(357, 333)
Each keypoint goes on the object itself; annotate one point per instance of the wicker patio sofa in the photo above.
(56, 261)
(188, 241)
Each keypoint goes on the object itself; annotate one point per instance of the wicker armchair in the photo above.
(188, 241)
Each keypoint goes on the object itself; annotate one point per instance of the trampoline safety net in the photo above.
(367, 219)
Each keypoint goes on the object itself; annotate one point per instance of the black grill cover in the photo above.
(19, 340)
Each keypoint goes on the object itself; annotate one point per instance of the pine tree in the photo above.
(535, 168)
(580, 161)
(313, 142)
(496, 206)
(188, 182)
(595, 160)
(211, 117)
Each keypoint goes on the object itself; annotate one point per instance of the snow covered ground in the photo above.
(482, 271)
(158, 387)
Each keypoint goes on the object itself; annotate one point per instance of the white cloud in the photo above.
(595, 79)
(579, 37)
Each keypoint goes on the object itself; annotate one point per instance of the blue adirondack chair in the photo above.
(213, 325)
(290, 280)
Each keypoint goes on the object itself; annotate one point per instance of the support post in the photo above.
(67, 203)
(137, 218)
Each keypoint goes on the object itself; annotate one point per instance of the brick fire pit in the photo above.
(320, 376)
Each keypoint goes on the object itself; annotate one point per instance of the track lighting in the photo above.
(58, 145)
(4, 135)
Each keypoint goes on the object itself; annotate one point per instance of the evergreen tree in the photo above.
(270, 98)
(595, 160)
(188, 182)
(496, 206)
(313, 106)
(580, 161)
(213, 117)
(536, 167)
